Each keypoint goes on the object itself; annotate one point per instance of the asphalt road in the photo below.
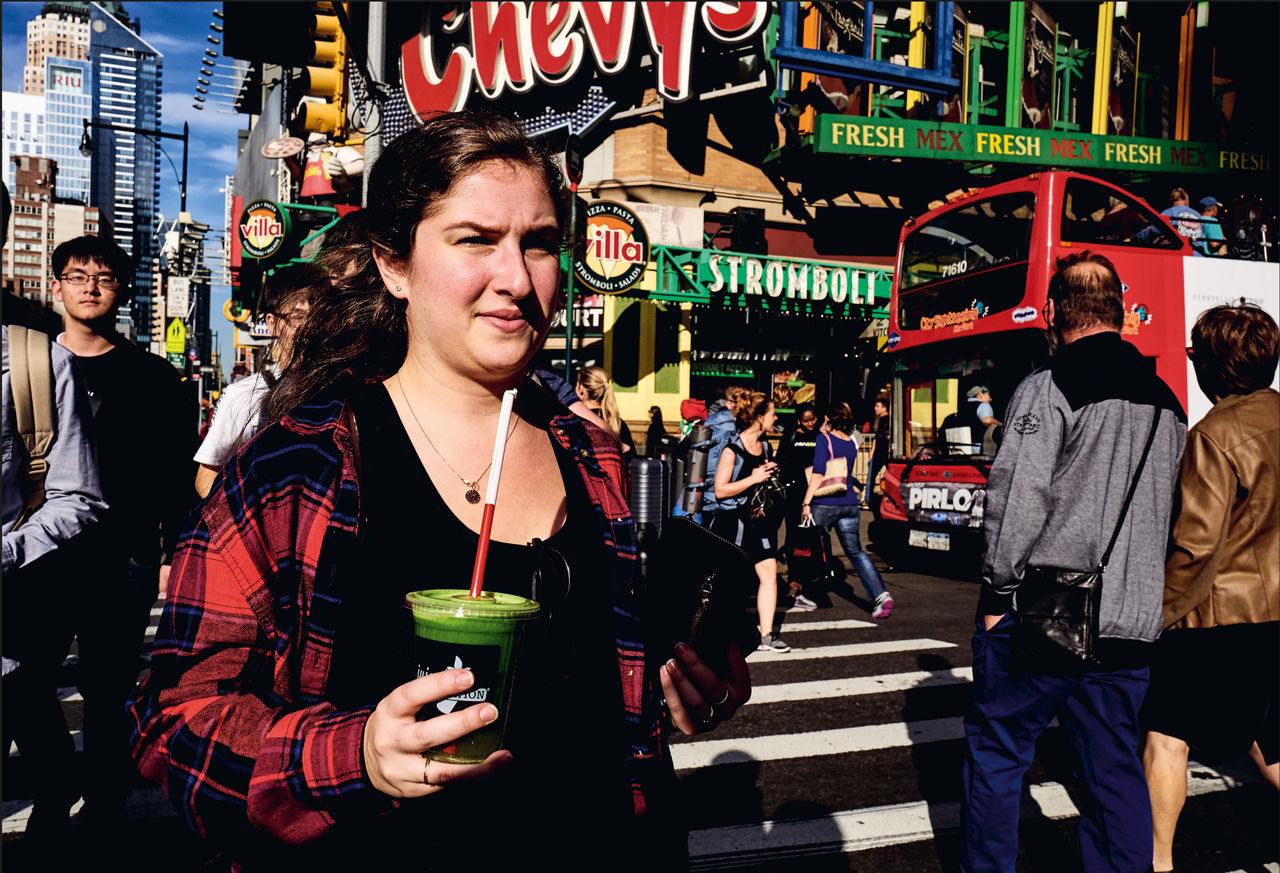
(847, 758)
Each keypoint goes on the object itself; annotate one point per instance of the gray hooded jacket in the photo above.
(1074, 434)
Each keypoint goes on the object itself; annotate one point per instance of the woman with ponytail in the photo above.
(595, 389)
(743, 466)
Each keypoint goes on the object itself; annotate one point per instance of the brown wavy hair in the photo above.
(358, 325)
(748, 406)
(1234, 349)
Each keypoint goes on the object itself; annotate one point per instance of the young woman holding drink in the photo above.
(280, 713)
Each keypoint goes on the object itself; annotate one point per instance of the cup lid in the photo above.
(459, 602)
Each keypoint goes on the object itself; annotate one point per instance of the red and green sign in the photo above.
(263, 229)
(897, 138)
(617, 249)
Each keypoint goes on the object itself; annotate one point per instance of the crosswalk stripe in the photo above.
(856, 685)
(880, 826)
(839, 624)
(707, 753)
(880, 647)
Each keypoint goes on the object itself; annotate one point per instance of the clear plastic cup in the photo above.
(452, 629)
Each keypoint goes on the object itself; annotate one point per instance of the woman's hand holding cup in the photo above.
(394, 739)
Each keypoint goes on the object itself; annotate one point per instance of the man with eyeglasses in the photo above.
(145, 429)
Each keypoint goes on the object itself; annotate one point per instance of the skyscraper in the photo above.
(68, 98)
(60, 31)
(125, 180)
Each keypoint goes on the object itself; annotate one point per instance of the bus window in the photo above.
(966, 264)
(1093, 213)
(969, 239)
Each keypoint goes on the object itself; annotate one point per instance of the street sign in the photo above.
(175, 338)
(175, 358)
(179, 298)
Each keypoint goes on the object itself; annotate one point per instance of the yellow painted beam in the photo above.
(915, 50)
(1102, 66)
(1186, 45)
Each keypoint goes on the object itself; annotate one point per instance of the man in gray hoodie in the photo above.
(1073, 439)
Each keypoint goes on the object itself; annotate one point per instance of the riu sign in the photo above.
(515, 46)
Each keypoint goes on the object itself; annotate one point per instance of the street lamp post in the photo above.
(86, 147)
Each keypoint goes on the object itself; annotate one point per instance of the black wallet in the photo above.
(700, 587)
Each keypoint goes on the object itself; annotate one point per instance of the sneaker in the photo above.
(772, 643)
(805, 604)
(883, 606)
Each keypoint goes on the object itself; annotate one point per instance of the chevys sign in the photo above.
(514, 46)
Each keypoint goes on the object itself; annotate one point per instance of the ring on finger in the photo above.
(426, 773)
(711, 713)
(723, 700)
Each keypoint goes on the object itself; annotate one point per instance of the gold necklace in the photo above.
(473, 494)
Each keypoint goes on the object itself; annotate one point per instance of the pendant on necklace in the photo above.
(473, 496)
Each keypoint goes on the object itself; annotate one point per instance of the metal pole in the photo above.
(377, 69)
(185, 134)
(568, 290)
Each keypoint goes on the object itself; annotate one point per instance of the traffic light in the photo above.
(190, 244)
(746, 231)
(157, 319)
(325, 76)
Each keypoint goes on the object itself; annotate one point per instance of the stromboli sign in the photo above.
(514, 46)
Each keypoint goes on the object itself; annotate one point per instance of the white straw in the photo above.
(500, 445)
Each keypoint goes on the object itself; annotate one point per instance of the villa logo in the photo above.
(263, 229)
(617, 249)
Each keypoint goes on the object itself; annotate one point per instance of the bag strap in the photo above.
(31, 381)
(1133, 487)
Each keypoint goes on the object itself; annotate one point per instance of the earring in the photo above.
(397, 290)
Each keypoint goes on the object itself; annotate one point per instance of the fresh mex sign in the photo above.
(511, 47)
(847, 134)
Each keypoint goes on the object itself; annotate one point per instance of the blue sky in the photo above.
(178, 31)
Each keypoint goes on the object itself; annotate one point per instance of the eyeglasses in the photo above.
(105, 281)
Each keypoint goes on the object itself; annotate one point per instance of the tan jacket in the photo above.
(1224, 567)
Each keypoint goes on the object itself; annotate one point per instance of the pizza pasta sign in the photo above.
(617, 249)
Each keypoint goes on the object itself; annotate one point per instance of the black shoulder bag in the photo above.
(1055, 622)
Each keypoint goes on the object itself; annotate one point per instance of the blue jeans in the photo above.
(845, 520)
(1099, 712)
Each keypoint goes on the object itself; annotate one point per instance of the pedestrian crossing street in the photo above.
(829, 761)
(851, 745)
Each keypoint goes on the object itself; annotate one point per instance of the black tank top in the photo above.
(411, 540)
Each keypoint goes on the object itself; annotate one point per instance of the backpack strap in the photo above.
(31, 381)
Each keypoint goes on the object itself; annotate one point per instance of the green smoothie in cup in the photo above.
(452, 629)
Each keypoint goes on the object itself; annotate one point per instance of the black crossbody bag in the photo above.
(1055, 621)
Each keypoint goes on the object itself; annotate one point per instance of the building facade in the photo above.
(68, 99)
(40, 223)
(23, 119)
(60, 31)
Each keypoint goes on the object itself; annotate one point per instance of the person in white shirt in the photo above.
(239, 413)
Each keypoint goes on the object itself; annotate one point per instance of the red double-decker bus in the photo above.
(967, 310)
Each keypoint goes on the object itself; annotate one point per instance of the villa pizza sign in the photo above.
(512, 47)
(617, 249)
